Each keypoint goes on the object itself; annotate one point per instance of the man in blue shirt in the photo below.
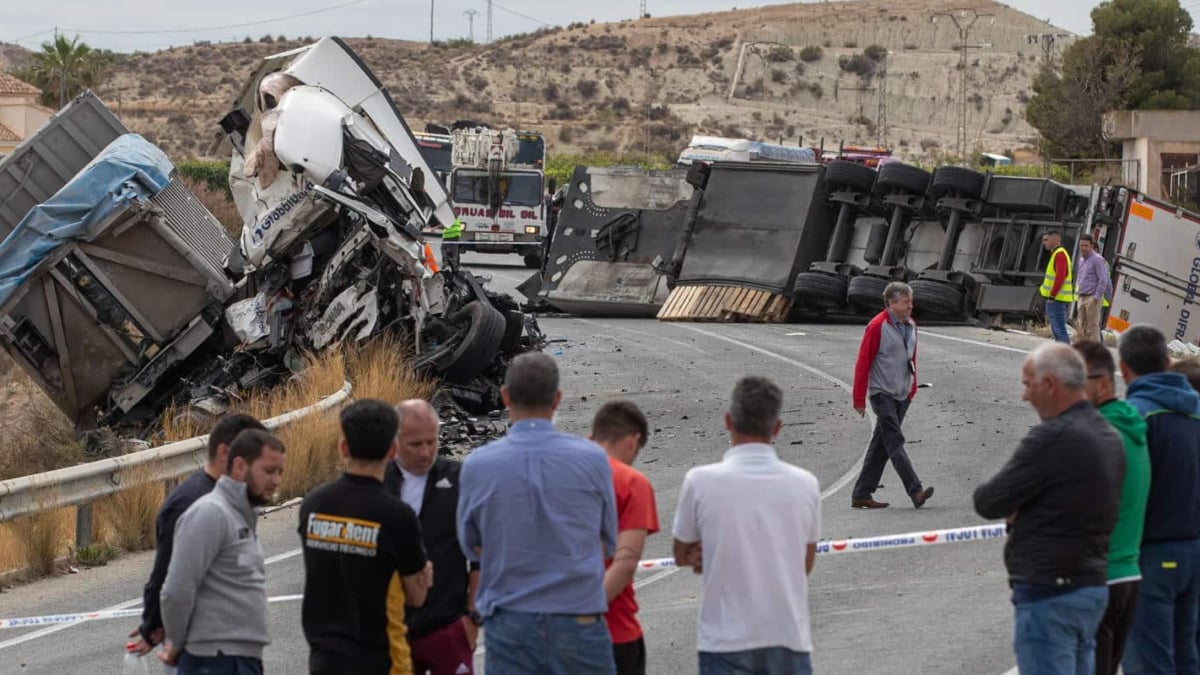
(536, 510)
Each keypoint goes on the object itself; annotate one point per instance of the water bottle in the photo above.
(135, 664)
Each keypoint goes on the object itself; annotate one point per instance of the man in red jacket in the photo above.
(886, 373)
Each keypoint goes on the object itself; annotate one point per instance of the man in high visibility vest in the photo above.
(1057, 287)
(451, 235)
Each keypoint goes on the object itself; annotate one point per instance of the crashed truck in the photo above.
(830, 238)
(121, 295)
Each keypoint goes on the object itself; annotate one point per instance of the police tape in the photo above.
(891, 541)
(52, 619)
(885, 542)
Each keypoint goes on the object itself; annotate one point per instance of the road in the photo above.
(935, 610)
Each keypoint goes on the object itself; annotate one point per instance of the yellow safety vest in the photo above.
(1067, 292)
(453, 231)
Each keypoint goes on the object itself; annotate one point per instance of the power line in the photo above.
(212, 28)
(502, 8)
(964, 31)
(471, 23)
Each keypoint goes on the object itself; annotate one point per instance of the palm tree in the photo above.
(64, 68)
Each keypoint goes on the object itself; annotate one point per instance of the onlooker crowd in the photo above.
(536, 537)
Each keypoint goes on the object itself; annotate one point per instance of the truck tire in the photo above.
(817, 290)
(865, 293)
(480, 345)
(849, 176)
(902, 178)
(956, 180)
(934, 298)
(533, 261)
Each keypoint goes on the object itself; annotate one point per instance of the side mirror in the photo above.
(553, 185)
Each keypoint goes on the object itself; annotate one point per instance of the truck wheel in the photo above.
(934, 298)
(956, 180)
(533, 261)
(865, 293)
(817, 290)
(902, 178)
(480, 344)
(849, 175)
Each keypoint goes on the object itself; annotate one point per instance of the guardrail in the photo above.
(82, 484)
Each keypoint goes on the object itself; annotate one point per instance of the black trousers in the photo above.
(630, 657)
(1114, 627)
(887, 443)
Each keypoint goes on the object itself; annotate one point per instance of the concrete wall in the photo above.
(1146, 135)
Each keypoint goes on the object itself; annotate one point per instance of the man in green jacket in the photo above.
(1123, 571)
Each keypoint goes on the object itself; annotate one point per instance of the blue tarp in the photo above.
(130, 168)
(782, 153)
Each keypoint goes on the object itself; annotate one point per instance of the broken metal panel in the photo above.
(613, 224)
(759, 225)
(43, 163)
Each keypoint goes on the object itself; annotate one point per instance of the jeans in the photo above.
(1056, 314)
(1057, 635)
(765, 661)
(1163, 637)
(522, 643)
(219, 665)
(887, 442)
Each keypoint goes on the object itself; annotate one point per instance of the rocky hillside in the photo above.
(801, 71)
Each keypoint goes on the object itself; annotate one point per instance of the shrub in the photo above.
(858, 64)
(811, 53)
(778, 76)
(780, 54)
(587, 88)
(876, 52)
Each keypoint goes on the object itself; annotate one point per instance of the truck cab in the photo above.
(498, 191)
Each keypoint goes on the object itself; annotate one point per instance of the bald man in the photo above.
(443, 632)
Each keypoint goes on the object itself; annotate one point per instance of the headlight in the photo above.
(531, 229)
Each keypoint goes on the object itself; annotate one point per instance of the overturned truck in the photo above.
(826, 239)
(121, 295)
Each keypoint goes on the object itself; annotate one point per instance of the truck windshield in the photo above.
(518, 189)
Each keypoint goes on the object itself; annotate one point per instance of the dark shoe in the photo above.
(921, 497)
(867, 503)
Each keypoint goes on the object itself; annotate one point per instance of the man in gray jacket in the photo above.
(214, 600)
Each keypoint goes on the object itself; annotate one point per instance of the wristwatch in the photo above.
(475, 617)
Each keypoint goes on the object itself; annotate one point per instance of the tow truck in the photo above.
(498, 192)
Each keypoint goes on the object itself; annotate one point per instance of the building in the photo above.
(1154, 145)
(20, 113)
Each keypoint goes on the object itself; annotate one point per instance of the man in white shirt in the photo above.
(745, 523)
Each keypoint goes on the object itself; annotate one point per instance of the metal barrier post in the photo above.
(83, 525)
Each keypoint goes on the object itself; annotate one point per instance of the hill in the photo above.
(792, 72)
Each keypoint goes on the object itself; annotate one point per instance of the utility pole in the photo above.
(643, 11)
(964, 20)
(430, 21)
(489, 21)
(1047, 42)
(471, 23)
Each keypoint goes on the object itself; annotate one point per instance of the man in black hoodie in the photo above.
(1060, 493)
(1163, 638)
(199, 483)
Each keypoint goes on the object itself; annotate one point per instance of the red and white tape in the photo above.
(886, 542)
(891, 541)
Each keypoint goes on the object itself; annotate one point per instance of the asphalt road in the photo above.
(934, 610)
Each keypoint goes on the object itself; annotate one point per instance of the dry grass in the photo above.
(127, 517)
(34, 542)
(35, 436)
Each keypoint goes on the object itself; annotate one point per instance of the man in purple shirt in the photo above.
(1092, 287)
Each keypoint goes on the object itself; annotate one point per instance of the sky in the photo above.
(132, 25)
